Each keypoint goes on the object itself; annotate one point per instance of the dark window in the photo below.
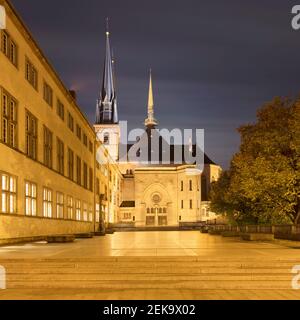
(9, 120)
(78, 132)
(9, 47)
(191, 185)
(48, 94)
(106, 138)
(31, 73)
(78, 170)
(70, 122)
(91, 179)
(91, 146)
(48, 143)
(85, 175)
(60, 156)
(70, 164)
(31, 135)
(60, 110)
(85, 140)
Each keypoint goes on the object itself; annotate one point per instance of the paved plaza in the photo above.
(151, 265)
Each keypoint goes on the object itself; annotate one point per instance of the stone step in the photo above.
(164, 270)
(153, 284)
(48, 278)
(136, 266)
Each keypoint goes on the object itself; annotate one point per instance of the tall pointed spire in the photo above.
(106, 112)
(150, 122)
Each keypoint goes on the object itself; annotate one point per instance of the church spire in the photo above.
(106, 112)
(150, 122)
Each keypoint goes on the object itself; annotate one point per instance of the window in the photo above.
(30, 199)
(78, 132)
(85, 175)
(91, 179)
(78, 170)
(70, 122)
(191, 204)
(85, 139)
(78, 210)
(70, 207)
(181, 187)
(31, 136)
(48, 94)
(127, 216)
(9, 120)
(182, 205)
(9, 47)
(91, 146)
(85, 211)
(90, 213)
(47, 203)
(191, 185)
(97, 186)
(97, 212)
(8, 193)
(70, 164)
(60, 156)
(48, 141)
(59, 205)
(106, 138)
(60, 110)
(31, 73)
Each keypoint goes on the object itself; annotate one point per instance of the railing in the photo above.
(277, 229)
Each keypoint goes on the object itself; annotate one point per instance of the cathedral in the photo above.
(153, 193)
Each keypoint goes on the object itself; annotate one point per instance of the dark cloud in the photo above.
(214, 62)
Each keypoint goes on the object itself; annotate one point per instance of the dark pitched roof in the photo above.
(128, 204)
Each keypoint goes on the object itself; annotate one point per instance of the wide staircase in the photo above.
(193, 273)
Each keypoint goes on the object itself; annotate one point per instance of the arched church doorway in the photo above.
(156, 212)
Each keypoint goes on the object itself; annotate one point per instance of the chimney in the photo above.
(73, 94)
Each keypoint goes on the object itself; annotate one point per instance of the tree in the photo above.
(263, 182)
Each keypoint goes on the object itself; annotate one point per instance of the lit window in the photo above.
(59, 205)
(90, 213)
(8, 194)
(78, 210)
(30, 199)
(47, 203)
(85, 211)
(70, 207)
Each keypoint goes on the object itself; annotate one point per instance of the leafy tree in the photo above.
(263, 182)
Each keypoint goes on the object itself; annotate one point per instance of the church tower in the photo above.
(107, 123)
(150, 122)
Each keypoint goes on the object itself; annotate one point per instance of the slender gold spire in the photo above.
(150, 121)
(150, 97)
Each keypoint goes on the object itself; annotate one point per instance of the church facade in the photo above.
(152, 193)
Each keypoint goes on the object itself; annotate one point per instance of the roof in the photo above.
(128, 204)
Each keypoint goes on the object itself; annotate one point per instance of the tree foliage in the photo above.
(263, 182)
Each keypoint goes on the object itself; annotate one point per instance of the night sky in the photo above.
(213, 62)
